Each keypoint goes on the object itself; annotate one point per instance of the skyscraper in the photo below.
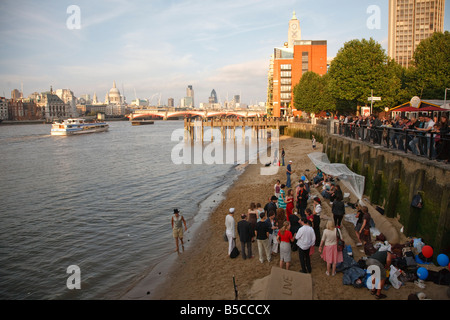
(411, 21)
(213, 97)
(190, 94)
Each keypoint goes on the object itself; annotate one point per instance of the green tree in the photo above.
(431, 62)
(311, 94)
(359, 67)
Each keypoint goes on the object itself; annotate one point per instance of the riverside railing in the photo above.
(429, 144)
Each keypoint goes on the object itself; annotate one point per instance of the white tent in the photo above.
(354, 182)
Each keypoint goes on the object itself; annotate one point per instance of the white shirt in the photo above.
(305, 237)
(229, 224)
(318, 209)
(429, 125)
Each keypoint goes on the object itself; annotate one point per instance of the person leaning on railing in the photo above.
(442, 140)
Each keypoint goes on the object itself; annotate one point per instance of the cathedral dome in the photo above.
(114, 91)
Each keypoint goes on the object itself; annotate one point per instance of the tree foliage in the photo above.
(359, 67)
(311, 94)
(431, 61)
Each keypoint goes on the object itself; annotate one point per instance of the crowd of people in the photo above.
(289, 222)
(425, 136)
(279, 229)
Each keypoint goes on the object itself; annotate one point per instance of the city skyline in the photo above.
(160, 47)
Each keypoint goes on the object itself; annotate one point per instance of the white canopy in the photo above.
(354, 182)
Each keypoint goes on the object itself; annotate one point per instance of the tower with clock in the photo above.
(295, 33)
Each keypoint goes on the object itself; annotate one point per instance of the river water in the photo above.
(101, 202)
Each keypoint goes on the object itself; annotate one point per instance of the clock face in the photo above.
(294, 26)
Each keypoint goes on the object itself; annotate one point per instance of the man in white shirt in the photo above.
(230, 230)
(306, 238)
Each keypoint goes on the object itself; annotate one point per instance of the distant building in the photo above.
(288, 64)
(410, 22)
(69, 98)
(16, 94)
(115, 103)
(190, 94)
(113, 96)
(213, 97)
(23, 109)
(3, 108)
(53, 107)
(171, 103)
(187, 102)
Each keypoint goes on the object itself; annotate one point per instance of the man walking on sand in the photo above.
(177, 228)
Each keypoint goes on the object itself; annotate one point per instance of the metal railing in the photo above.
(426, 144)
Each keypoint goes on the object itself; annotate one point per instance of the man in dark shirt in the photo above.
(302, 200)
(271, 205)
(245, 236)
(262, 238)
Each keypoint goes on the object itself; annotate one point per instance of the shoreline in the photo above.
(148, 283)
(205, 272)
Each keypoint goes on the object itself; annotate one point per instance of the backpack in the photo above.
(417, 201)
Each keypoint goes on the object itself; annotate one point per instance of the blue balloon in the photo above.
(303, 178)
(443, 260)
(422, 273)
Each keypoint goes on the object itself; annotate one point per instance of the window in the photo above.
(286, 67)
(286, 88)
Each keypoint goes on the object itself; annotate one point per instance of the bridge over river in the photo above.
(204, 114)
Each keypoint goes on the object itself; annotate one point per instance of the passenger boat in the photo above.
(77, 126)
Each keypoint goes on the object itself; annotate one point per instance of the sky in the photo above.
(154, 49)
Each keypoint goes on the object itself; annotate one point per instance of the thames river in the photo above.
(101, 202)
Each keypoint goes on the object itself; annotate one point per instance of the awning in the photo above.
(423, 107)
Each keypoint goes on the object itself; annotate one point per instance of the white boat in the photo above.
(77, 126)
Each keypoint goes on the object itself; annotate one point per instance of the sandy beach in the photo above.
(205, 272)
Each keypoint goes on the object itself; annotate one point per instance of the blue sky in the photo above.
(159, 47)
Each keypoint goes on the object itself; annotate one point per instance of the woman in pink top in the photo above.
(328, 247)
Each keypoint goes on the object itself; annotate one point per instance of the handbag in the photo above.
(234, 253)
(340, 242)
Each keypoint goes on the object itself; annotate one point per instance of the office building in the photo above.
(190, 94)
(410, 22)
